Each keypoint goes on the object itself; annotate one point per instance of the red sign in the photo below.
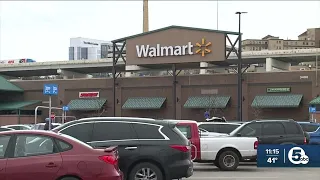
(88, 94)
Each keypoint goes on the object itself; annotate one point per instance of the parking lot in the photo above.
(210, 172)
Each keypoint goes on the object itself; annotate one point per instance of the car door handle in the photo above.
(50, 165)
(130, 148)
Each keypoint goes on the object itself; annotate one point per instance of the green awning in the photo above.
(5, 85)
(277, 101)
(16, 105)
(144, 103)
(203, 102)
(86, 104)
(315, 101)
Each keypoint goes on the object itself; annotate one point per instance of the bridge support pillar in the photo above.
(273, 63)
(203, 65)
(70, 74)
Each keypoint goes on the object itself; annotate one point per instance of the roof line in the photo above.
(171, 27)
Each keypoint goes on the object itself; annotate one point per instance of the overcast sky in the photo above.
(41, 30)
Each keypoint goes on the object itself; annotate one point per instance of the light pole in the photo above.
(240, 68)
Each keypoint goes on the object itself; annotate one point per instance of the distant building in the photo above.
(308, 39)
(91, 49)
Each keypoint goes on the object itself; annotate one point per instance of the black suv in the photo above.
(272, 132)
(148, 149)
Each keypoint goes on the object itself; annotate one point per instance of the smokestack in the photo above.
(145, 16)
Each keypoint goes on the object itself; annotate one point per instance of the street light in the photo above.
(240, 68)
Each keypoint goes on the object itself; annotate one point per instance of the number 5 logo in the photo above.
(297, 155)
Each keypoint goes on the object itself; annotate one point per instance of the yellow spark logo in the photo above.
(203, 47)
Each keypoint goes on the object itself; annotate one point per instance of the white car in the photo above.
(225, 151)
(18, 127)
(40, 126)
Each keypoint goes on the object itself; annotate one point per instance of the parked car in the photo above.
(226, 152)
(54, 156)
(157, 147)
(18, 127)
(5, 129)
(216, 119)
(313, 129)
(272, 132)
(218, 127)
(40, 126)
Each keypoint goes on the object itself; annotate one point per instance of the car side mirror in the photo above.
(238, 134)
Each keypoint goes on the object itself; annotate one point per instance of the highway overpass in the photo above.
(80, 68)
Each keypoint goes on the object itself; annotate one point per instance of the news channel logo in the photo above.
(288, 156)
(297, 155)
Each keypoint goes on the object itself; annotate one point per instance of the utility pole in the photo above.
(240, 68)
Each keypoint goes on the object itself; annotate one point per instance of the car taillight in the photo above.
(181, 148)
(109, 159)
(255, 145)
(305, 140)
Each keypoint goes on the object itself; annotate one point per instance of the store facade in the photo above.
(265, 95)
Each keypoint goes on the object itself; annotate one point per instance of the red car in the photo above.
(45, 155)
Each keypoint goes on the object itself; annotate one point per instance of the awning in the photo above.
(16, 105)
(86, 104)
(144, 103)
(315, 101)
(277, 101)
(203, 102)
(5, 85)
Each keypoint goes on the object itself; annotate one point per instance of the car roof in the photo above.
(130, 119)
(36, 132)
(199, 123)
(45, 123)
(272, 120)
(15, 125)
(182, 120)
(311, 123)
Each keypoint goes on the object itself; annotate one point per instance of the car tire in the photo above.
(216, 163)
(69, 178)
(142, 167)
(228, 161)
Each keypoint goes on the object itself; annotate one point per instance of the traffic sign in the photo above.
(65, 108)
(50, 89)
(312, 109)
(52, 116)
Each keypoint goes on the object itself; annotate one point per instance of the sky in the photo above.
(41, 30)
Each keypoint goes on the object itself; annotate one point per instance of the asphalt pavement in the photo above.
(251, 172)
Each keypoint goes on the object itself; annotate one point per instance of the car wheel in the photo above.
(145, 171)
(228, 161)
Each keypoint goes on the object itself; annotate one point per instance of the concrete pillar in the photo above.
(273, 63)
(203, 64)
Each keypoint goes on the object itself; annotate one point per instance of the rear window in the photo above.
(185, 130)
(292, 128)
(309, 127)
(227, 128)
(74, 139)
(208, 127)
